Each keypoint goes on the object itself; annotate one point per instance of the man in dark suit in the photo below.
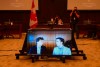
(38, 48)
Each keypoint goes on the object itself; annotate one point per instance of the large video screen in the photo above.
(49, 42)
(84, 4)
(17, 4)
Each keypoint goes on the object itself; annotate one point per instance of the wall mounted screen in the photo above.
(17, 4)
(84, 4)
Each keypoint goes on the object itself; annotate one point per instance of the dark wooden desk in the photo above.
(91, 30)
(8, 31)
(1, 31)
(98, 30)
(54, 26)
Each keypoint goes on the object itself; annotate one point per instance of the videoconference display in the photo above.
(83, 4)
(49, 42)
(17, 4)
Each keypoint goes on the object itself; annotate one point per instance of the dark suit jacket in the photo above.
(33, 50)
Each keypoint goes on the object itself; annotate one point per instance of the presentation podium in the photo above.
(49, 36)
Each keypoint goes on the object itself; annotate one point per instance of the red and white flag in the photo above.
(33, 16)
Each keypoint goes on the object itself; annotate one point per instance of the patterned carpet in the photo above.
(8, 48)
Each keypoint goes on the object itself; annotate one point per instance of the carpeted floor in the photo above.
(8, 48)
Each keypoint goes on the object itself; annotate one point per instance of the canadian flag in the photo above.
(33, 16)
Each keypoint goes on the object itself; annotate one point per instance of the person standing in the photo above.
(56, 20)
(74, 19)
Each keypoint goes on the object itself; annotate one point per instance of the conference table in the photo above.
(9, 31)
(89, 30)
(85, 29)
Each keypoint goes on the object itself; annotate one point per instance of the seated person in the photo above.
(56, 20)
(60, 49)
(60, 22)
(52, 20)
(38, 48)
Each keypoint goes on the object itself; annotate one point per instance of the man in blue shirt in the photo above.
(60, 49)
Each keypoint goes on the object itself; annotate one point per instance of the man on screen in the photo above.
(60, 49)
(38, 48)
